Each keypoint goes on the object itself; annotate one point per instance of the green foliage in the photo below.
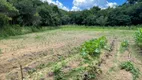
(11, 31)
(92, 48)
(125, 43)
(124, 46)
(132, 1)
(6, 6)
(129, 66)
(27, 13)
(6, 12)
(102, 20)
(3, 20)
(138, 37)
(116, 17)
(38, 13)
(58, 75)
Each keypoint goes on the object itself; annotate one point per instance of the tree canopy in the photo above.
(38, 13)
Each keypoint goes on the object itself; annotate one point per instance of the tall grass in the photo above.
(10, 31)
(13, 30)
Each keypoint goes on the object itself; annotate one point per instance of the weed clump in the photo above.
(129, 66)
(58, 74)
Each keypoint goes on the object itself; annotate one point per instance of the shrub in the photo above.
(93, 47)
(3, 20)
(10, 31)
(128, 66)
(138, 37)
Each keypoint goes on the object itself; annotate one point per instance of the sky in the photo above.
(75, 5)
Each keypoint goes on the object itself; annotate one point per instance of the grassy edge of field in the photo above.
(15, 31)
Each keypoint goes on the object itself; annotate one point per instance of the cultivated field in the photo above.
(40, 54)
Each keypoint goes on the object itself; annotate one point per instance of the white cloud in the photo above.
(59, 4)
(87, 4)
(111, 4)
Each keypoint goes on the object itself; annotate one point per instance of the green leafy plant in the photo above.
(129, 66)
(124, 45)
(10, 31)
(138, 37)
(92, 48)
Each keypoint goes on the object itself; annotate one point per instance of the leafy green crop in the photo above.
(128, 66)
(124, 46)
(125, 43)
(92, 48)
(138, 38)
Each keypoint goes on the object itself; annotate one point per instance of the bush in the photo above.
(93, 47)
(10, 31)
(138, 38)
(3, 20)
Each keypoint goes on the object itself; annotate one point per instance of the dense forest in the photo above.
(38, 13)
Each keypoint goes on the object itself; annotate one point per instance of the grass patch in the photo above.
(129, 66)
(98, 28)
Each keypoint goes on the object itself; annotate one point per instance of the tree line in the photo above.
(38, 13)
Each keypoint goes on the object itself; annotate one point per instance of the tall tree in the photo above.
(6, 10)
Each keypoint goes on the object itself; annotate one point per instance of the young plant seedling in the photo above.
(124, 46)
